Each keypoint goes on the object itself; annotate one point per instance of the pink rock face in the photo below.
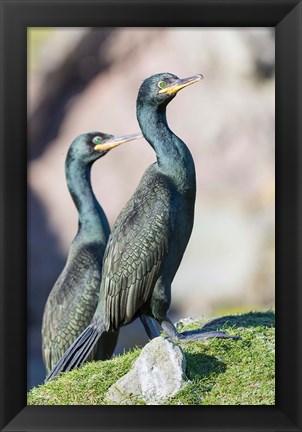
(83, 80)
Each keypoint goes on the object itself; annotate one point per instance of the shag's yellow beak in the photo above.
(180, 84)
(116, 141)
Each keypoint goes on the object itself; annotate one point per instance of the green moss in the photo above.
(220, 372)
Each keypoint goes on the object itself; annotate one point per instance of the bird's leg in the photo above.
(150, 326)
(192, 335)
(106, 345)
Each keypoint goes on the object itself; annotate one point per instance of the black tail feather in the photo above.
(79, 358)
(77, 353)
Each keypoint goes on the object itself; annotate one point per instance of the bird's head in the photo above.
(158, 90)
(91, 146)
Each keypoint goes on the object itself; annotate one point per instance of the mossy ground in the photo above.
(220, 372)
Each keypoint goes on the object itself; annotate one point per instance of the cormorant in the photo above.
(151, 233)
(73, 299)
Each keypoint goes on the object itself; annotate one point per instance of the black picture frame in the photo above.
(16, 16)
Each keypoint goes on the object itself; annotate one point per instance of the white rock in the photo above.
(157, 374)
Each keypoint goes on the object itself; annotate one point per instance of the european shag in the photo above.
(74, 297)
(150, 236)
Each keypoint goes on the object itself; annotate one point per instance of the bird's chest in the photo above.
(180, 231)
(183, 222)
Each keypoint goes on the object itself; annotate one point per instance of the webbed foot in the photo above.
(195, 335)
(192, 335)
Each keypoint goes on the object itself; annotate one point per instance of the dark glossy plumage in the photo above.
(73, 299)
(150, 235)
(136, 249)
(71, 304)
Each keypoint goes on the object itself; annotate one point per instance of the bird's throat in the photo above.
(173, 156)
(92, 219)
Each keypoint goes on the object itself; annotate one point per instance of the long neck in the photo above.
(93, 223)
(173, 156)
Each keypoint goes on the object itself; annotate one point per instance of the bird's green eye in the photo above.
(97, 140)
(162, 84)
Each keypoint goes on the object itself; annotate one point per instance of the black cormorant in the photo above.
(150, 235)
(73, 299)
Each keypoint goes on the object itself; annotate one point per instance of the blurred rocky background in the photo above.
(83, 79)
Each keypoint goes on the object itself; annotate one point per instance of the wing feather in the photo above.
(63, 319)
(134, 252)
